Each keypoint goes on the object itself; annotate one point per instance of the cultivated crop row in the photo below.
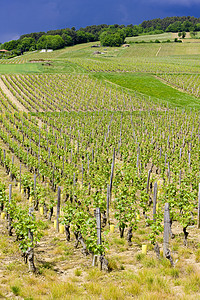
(69, 93)
(187, 82)
(111, 156)
(133, 64)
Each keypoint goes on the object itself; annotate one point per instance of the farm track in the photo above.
(158, 51)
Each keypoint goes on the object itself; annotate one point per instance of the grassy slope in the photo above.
(148, 85)
(161, 37)
(147, 38)
(180, 49)
(55, 67)
(167, 50)
(19, 68)
(174, 54)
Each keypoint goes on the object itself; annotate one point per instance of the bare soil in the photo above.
(11, 96)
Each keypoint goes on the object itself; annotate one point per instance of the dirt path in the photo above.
(11, 96)
(158, 51)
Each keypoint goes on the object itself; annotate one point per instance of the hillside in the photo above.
(108, 35)
(110, 129)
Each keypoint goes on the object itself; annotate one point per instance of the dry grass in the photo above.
(64, 273)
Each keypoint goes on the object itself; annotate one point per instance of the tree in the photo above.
(128, 31)
(187, 25)
(193, 34)
(176, 26)
(71, 33)
(112, 39)
(183, 34)
(34, 35)
(197, 27)
(50, 41)
(26, 44)
(11, 45)
(84, 37)
(67, 39)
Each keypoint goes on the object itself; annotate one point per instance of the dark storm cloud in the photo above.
(20, 17)
(175, 2)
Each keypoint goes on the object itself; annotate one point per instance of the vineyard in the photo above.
(99, 175)
(188, 83)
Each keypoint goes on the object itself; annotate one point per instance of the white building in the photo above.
(46, 50)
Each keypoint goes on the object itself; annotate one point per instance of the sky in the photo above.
(19, 17)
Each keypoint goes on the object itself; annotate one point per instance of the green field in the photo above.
(147, 38)
(55, 66)
(19, 68)
(148, 85)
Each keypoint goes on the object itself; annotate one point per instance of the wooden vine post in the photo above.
(30, 251)
(167, 230)
(35, 200)
(148, 180)
(9, 218)
(154, 200)
(53, 177)
(108, 204)
(168, 172)
(112, 174)
(63, 164)
(11, 175)
(58, 209)
(98, 220)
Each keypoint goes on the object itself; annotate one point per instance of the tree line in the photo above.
(172, 24)
(108, 35)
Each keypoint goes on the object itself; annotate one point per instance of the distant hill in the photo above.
(59, 38)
